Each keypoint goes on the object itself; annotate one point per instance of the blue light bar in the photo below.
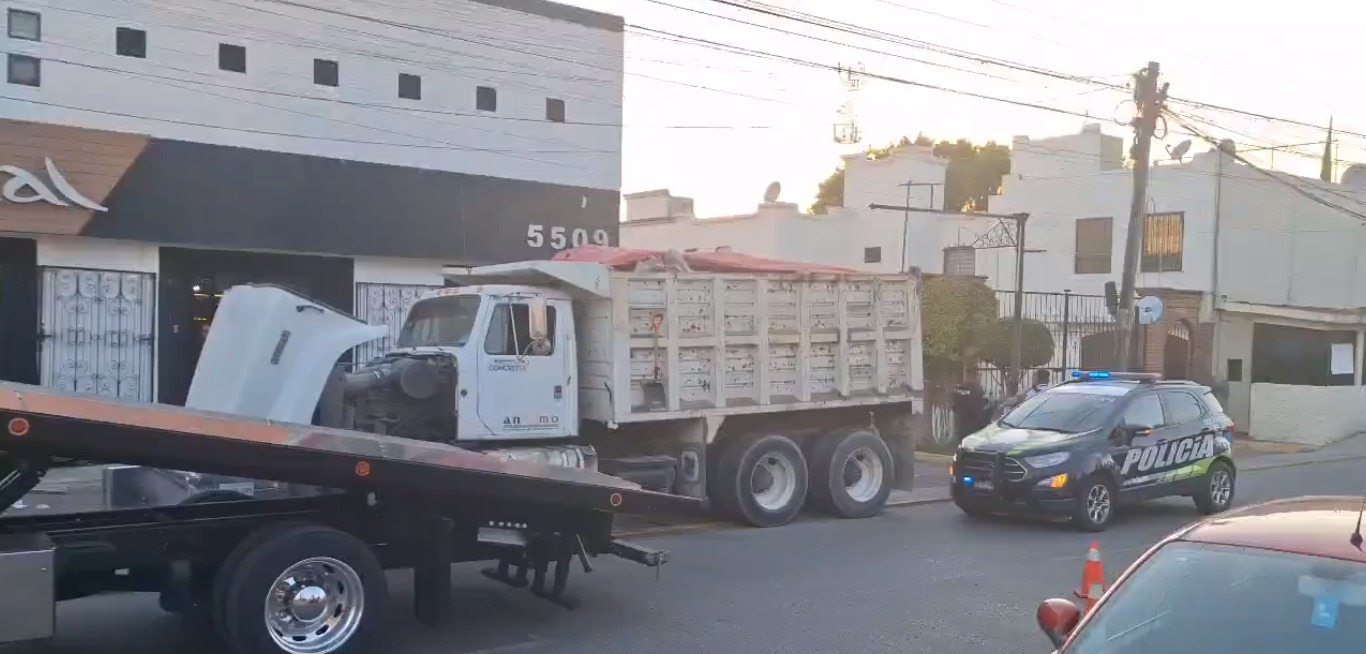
(967, 480)
(1091, 374)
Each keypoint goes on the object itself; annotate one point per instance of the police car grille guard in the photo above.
(985, 466)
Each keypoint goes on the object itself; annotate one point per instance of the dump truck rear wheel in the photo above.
(761, 480)
(851, 473)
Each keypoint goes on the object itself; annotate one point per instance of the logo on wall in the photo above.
(24, 187)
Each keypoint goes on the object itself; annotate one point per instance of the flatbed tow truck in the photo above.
(301, 572)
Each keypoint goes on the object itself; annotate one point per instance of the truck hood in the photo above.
(269, 353)
(995, 438)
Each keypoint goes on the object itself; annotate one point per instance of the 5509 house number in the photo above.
(559, 238)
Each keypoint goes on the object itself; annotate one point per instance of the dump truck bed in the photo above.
(42, 422)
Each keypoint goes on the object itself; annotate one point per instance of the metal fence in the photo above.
(1083, 338)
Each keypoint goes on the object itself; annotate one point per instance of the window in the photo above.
(872, 255)
(1164, 236)
(232, 58)
(486, 98)
(509, 331)
(25, 70)
(1145, 411)
(409, 86)
(129, 42)
(1235, 370)
(326, 72)
(445, 320)
(1095, 240)
(1182, 408)
(1066, 412)
(960, 262)
(1212, 403)
(554, 110)
(26, 25)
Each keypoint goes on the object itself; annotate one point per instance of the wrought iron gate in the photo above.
(97, 332)
(384, 304)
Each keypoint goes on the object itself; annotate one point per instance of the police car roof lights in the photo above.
(1088, 375)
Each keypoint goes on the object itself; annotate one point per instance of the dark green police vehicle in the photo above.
(1086, 446)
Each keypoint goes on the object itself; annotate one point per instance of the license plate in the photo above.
(982, 484)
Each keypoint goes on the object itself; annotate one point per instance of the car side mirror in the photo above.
(1057, 618)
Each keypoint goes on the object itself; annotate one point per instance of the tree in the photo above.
(956, 316)
(974, 173)
(1036, 350)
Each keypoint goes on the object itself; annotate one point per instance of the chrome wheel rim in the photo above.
(1098, 504)
(773, 482)
(1220, 487)
(315, 606)
(863, 475)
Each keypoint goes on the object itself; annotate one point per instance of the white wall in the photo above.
(1313, 415)
(98, 254)
(178, 92)
(380, 270)
(780, 230)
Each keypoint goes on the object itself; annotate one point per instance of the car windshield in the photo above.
(445, 320)
(1069, 412)
(1213, 599)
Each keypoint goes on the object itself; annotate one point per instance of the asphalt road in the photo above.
(916, 580)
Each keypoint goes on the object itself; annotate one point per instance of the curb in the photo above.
(1254, 466)
(931, 457)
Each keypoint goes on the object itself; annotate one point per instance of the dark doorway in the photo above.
(1177, 351)
(19, 310)
(193, 281)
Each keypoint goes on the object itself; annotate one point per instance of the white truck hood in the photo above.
(269, 353)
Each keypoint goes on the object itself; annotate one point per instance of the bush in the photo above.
(956, 315)
(1036, 350)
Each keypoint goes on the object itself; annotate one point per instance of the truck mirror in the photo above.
(537, 327)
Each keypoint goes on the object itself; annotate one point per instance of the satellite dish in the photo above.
(771, 193)
(1180, 150)
(1149, 309)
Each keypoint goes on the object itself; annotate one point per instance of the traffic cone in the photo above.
(1092, 577)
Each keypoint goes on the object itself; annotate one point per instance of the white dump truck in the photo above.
(757, 391)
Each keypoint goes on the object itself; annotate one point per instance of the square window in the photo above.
(232, 58)
(1235, 370)
(26, 25)
(326, 72)
(554, 110)
(409, 86)
(872, 255)
(486, 98)
(129, 42)
(25, 70)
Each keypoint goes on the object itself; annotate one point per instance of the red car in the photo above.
(1284, 576)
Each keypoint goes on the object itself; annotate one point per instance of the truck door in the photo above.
(522, 390)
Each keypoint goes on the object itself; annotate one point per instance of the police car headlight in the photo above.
(1047, 460)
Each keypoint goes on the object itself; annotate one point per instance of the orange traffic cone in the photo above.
(1092, 577)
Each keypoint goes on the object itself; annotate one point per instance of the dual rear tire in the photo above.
(296, 588)
(764, 480)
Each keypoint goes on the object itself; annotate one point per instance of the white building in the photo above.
(1261, 274)
(854, 235)
(164, 151)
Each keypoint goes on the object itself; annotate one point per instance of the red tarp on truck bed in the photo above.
(627, 258)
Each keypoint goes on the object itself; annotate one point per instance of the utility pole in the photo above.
(999, 237)
(906, 220)
(1148, 97)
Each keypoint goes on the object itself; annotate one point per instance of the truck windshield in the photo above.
(1225, 600)
(446, 320)
(1072, 413)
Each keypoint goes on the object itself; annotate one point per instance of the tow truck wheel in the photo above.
(851, 473)
(1095, 503)
(303, 589)
(761, 480)
(1216, 495)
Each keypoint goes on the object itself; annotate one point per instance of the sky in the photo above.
(756, 120)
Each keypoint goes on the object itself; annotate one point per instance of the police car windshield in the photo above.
(1214, 599)
(1070, 409)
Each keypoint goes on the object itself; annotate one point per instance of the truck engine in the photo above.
(405, 395)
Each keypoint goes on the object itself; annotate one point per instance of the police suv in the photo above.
(1083, 447)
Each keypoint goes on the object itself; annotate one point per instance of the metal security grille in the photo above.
(961, 262)
(384, 304)
(97, 332)
(1164, 242)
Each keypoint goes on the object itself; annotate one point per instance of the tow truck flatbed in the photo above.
(378, 502)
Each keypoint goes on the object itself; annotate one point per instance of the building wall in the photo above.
(1312, 415)
(178, 91)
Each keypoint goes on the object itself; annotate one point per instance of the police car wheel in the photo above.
(1095, 504)
(1216, 495)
